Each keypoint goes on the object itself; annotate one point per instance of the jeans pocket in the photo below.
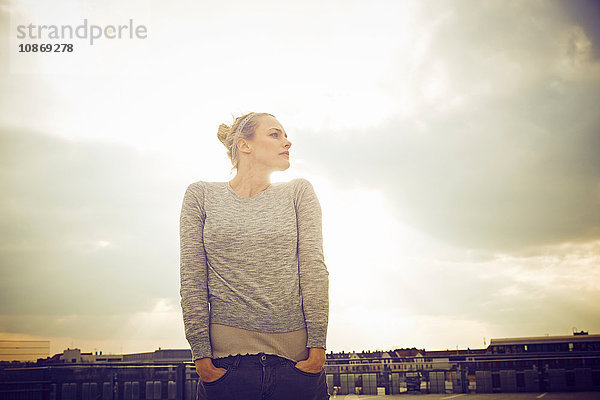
(305, 373)
(221, 379)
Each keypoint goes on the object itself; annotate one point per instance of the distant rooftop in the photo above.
(546, 339)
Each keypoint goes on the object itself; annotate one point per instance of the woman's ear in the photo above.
(244, 146)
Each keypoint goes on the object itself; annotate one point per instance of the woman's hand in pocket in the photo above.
(315, 361)
(207, 371)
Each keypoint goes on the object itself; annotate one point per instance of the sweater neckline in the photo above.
(230, 189)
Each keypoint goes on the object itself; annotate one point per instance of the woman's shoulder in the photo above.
(195, 187)
(301, 181)
(303, 184)
(205, 184)
(295, 185)
(298, 182)
(199, 188)
(298, 188)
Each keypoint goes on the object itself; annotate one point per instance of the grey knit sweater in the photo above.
(253, 263)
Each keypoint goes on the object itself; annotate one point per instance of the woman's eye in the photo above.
(274, 133)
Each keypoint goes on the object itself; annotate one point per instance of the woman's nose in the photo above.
(288, 144)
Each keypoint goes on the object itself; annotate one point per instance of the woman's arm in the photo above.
(194, 289)
(314, 278)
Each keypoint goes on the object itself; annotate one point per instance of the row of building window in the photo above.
(545, 347)
(567, 363)
(393, 367)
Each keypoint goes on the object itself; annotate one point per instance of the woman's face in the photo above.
(270, 146)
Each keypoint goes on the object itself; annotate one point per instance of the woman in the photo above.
(254, 285)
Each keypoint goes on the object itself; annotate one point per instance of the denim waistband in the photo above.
(252, 359)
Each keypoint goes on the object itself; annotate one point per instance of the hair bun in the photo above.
(224, 135)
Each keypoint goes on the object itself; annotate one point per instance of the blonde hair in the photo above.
(229, 134)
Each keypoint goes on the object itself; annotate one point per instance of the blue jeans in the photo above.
(262, 377)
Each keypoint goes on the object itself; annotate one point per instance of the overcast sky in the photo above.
(454, 147)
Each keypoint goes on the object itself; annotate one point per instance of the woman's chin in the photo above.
(283, 167)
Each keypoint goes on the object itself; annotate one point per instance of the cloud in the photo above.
(441, 299)
(453, 147)
(585, 13)
(88, 228)
(159, 325)
(392, 285)
(493, 144)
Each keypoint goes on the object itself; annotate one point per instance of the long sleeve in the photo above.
(314, 277)
(193, 272)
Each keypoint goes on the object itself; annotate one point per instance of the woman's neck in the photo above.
(248, 185)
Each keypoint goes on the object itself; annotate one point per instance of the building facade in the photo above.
(534, 364)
